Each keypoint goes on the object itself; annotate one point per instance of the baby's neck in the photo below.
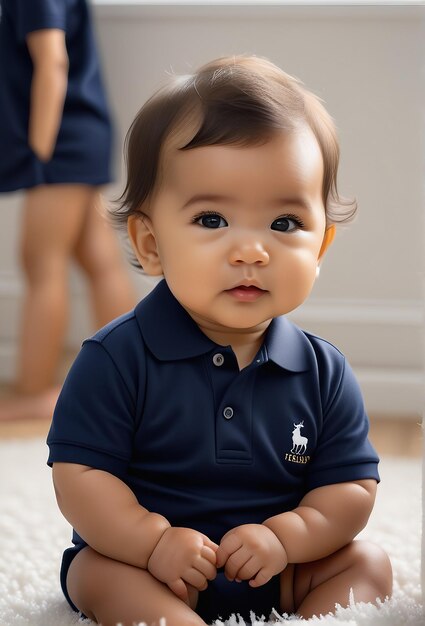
(245, 354)
(245, 344)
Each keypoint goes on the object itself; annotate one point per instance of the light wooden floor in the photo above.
(390, 436)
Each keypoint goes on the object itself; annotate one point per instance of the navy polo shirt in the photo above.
(155, 402)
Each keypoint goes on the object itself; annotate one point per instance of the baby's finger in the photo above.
(236, 562)
(209, 554)
(262, 577)
(209, 543)
(179, 589)
(229, 544)
(195, 578)
(207, 568)
(249, 569)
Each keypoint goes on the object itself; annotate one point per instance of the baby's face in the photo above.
(238, 230)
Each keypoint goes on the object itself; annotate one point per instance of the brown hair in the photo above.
(238, 100)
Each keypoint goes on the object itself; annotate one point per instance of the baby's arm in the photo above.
(326, 519)
(48, 88)
(106, 514)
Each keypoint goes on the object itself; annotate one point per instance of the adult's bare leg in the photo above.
(61, 221)
(51, 222)
(99, 254)
(110, 592)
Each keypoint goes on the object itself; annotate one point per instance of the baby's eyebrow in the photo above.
(298, 202)
(207, 197)
(278, 202)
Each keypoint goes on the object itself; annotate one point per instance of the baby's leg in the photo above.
(110, 592)
(318, 586)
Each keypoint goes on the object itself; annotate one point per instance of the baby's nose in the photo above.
(252, 252)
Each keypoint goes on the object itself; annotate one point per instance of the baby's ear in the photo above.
(142, 237)
(328, 238)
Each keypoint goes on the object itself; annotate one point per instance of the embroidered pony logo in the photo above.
(299, 447)
(299, 443)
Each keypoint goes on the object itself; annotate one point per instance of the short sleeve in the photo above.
(343, 451)
(34, 15)
(93, 422)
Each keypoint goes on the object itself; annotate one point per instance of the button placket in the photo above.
(234, 421)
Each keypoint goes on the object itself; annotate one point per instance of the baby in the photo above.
(212, 457)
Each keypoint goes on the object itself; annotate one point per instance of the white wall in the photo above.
(367, 63)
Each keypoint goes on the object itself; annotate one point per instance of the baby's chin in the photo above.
(250, 323)
(240, 317)
(229, 324)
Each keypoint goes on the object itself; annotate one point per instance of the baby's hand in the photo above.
(184, 555)
(253, 552)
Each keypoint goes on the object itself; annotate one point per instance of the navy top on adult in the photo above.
(83, 149)
(155, 402)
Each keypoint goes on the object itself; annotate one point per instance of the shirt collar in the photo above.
(171, 334)
(287, 345)
(168, 330)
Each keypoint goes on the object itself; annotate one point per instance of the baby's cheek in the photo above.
(298, 283)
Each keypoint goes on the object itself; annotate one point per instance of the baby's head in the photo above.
(237, 100)
(238, 144)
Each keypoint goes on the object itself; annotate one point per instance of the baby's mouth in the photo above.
(246, 293)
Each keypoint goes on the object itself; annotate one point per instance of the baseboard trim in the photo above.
(392, 392)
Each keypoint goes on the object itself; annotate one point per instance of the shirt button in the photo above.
(218, 359)
(228, 412)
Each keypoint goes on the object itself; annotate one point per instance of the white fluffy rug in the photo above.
(33, 535)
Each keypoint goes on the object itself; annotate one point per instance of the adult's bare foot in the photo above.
(20, 407)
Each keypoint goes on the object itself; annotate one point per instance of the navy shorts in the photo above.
(219, 600)
(67, 559)
(222, 598)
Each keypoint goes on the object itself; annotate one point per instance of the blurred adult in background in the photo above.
(55, 142)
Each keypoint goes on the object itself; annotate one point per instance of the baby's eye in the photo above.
(210, 220)
(287, 223)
